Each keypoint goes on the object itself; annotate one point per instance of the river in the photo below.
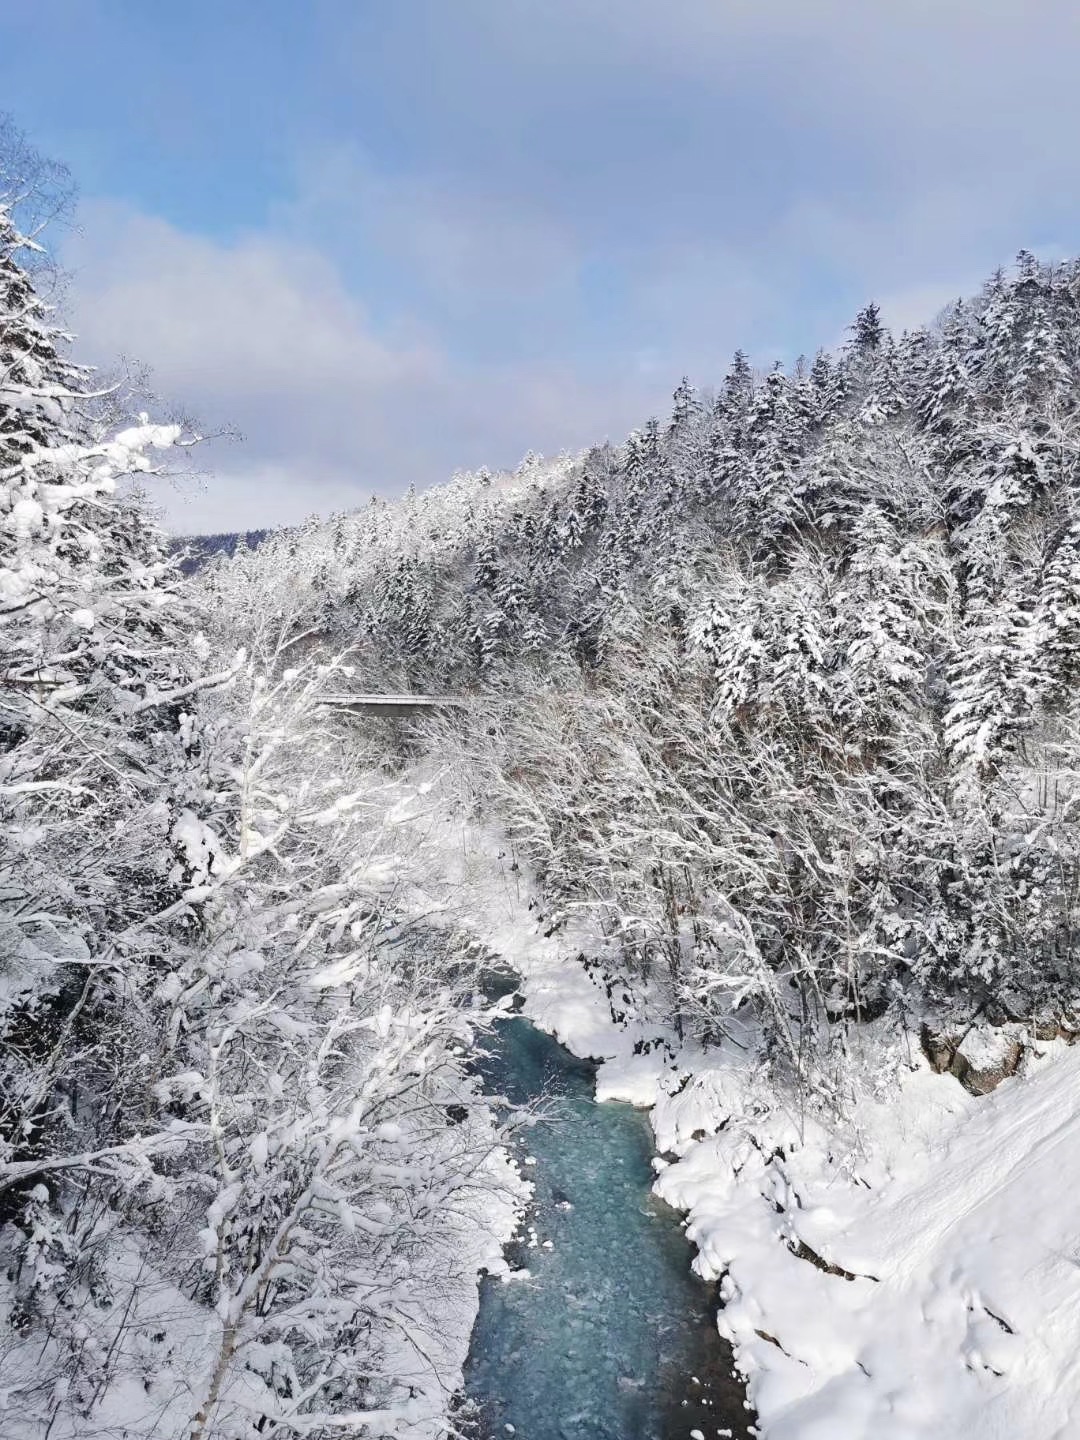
(611, 1337)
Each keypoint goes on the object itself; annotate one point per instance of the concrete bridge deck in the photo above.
(393, 706)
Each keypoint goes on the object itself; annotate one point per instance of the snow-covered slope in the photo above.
(952, 1219)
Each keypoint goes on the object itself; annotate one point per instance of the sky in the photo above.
(383, 240)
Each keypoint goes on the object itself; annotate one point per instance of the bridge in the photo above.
(393, 707)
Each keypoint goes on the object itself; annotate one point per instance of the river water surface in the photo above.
(611, 1337)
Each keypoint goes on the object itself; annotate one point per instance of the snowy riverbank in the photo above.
(911, 1271)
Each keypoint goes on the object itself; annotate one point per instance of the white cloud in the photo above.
(262, 334)
(460, 242)
(259, 314)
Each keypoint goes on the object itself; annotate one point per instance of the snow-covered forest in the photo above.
(781, 690)
(771, 707)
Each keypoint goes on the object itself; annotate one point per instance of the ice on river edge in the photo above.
(911, 1272)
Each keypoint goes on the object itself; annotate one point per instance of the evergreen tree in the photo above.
(1057, 618)
(776, 435)
(868, 332)
(738, 387)
(686, 407)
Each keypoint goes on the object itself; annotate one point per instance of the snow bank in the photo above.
(951, 1304)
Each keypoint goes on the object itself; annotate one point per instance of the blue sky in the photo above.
(389, 238)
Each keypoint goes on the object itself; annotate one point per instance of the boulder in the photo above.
(980, 1057)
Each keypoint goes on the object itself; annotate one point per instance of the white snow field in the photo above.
(954, 1219)
(911, 1270)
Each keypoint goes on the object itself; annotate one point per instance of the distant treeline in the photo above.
(194, 551)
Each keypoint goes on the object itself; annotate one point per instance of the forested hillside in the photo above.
(780, 691)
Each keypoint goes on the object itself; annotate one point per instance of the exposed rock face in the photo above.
(938, 1047)
(986, 1057)
(1057, 1027)
(980, 1058)
(983, 1054)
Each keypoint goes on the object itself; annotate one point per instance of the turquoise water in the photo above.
(612, 1337)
